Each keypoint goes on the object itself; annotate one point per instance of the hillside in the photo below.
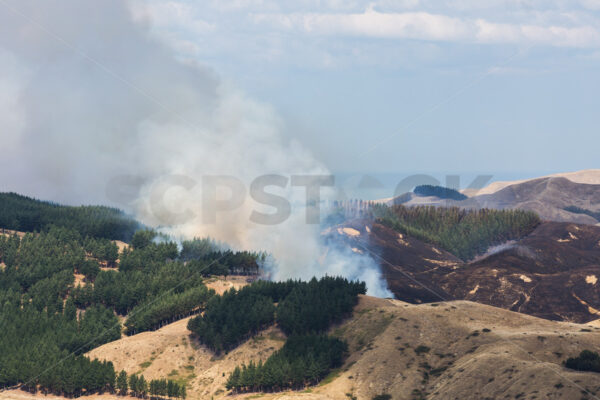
(63, 289)
(22, 213)
(550, 273)
(63, 294)
(549, 197)
(588, 176)
(444, 350)
(546, 196)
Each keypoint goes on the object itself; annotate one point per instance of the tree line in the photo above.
(303, 360)
(464, 233)
(22, 213)
(579, 210)
(166, 309)
(138, 386)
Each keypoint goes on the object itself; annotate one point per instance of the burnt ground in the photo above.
(553, 273)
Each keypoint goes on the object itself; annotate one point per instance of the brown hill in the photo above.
(589, 176)
(447, 350)
(548, 197)
(551, 273)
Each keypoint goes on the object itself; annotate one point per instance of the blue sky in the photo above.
(499, 86)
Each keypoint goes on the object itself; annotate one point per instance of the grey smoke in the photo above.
(90, 99)
(496, 249)
(521, 250)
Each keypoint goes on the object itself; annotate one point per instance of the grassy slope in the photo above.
(520, 357)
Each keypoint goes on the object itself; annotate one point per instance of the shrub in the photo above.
(439, 191)
(586, 361)
(383, 396)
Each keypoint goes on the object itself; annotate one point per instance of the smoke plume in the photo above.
(95, 110)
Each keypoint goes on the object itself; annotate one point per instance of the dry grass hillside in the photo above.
(588, 176)
(171, 352)
(548, 197)
(453, 350)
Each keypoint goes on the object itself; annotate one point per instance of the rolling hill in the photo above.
(588, 176)
(452, 333)
(445, 350)
(548, 197)
(553, 198)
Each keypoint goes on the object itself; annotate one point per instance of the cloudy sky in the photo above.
(409, 85)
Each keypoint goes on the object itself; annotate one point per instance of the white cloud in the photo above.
(433, 27)
(591, 4)
(321, 34)
(373, 24)
(172, 14)
(584, 36)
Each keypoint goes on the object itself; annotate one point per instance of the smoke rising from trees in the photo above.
(95, 110)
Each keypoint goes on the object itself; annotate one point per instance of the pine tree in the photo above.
(142, 386)
(70, 311)
(171, 388)
(133, 384)
(233, 382)
(122, 385)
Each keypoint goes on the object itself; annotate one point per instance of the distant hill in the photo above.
(552, 198)
(587, 176)
(22, 213)
(549, 197)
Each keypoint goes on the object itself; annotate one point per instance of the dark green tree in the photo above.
(122, 383)
(142, 239)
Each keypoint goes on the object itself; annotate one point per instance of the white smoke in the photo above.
(521, 250)
(90, 100)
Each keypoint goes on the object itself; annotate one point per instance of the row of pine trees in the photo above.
(138, 386)
(464, 233)
(302, 361)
